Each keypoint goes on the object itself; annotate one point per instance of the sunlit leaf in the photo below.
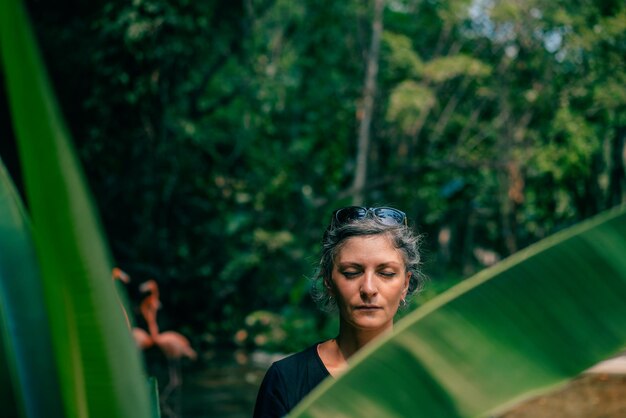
(446, 68)
(409, 100)
(400, 56)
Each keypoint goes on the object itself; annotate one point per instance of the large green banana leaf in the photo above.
(519, 328)
(99, 369)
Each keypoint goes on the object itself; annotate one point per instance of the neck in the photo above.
(351, 340)
(148, 310)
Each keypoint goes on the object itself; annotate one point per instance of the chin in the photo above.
(371, 324)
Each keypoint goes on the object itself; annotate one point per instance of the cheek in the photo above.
(345, 291)
(400, 291)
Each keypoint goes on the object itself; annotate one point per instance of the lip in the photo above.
(367, 307)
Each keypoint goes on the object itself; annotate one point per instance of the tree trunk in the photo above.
(367, 106)
(616, 193)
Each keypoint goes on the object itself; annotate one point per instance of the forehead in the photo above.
(369, 248)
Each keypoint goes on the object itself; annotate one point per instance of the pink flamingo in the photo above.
(141, 337)
(173, 345)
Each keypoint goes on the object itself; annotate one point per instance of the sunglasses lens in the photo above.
(349, 214)
(390, 216)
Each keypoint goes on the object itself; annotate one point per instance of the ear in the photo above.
(407, 281)
(328, 284)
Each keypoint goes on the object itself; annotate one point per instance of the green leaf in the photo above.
(8, 395)
(409, 100)
(446, 68)
(23, 319)
(400, 55)
(523, 326)
(100, 371)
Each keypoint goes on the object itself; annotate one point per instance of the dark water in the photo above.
(221, 384)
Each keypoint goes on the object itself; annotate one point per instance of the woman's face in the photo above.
(369, 279)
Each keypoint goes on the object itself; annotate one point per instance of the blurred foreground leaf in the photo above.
(24, 334)
(99, 368)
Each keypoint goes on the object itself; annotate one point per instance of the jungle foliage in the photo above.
(218, 137)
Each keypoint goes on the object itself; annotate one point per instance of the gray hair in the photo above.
(401, 236)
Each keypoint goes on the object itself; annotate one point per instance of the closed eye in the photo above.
(351, 273)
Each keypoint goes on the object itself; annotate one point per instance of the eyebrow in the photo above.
(356, 264)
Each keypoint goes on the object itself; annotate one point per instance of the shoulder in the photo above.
(293, 367)
(288, 380)
(300, 372)
(299, 359)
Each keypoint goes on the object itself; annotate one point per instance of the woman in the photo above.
(368, 268)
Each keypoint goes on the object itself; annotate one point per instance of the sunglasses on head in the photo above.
(387, 216)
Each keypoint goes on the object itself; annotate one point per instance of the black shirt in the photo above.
(287, 381)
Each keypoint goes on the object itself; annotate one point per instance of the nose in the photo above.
(368, 286)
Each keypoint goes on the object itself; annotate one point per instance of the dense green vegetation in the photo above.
(217, 137)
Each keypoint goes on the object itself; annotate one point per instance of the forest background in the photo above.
(218, 136)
